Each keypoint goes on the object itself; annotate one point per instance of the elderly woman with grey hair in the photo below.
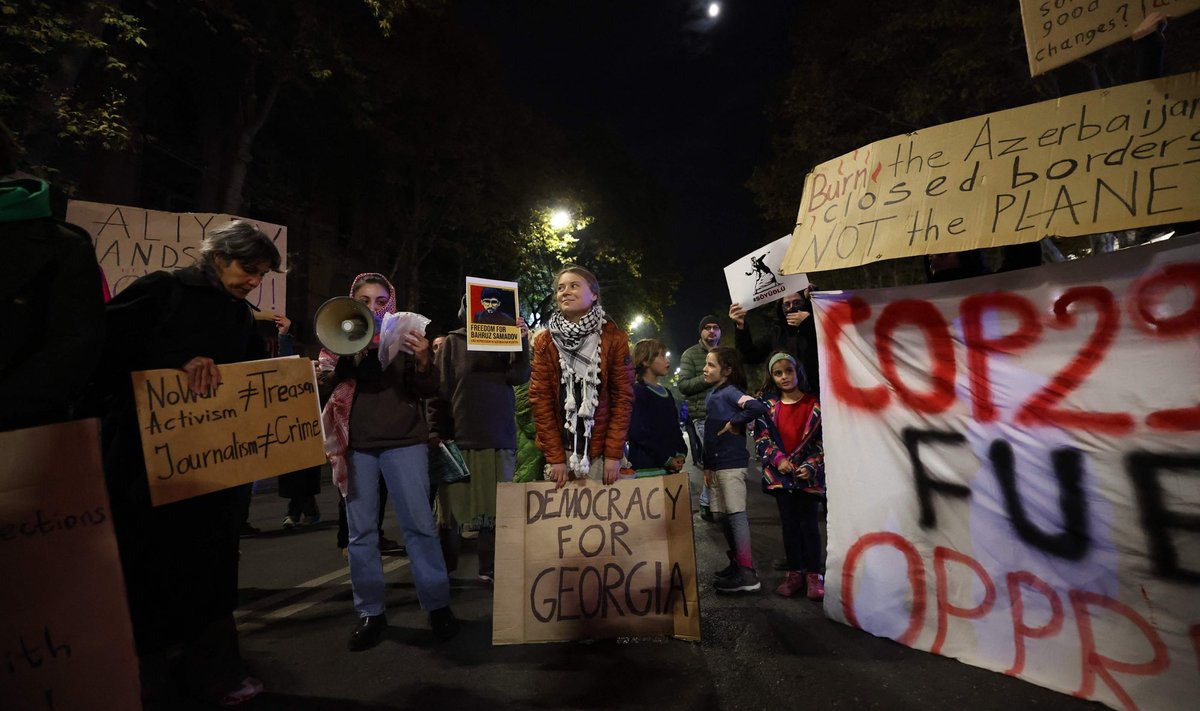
(180, 560)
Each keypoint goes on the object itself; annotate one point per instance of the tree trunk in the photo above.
(253, 116)
(409, 254)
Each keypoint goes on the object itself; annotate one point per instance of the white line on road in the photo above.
(261, 613)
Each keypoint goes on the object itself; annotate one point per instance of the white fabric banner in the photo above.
(1014, 471)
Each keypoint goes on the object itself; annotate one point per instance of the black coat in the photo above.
(51, 321)
(179, 559)
(800, 341)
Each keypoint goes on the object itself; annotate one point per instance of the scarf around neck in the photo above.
(24, 199)
(579, 359)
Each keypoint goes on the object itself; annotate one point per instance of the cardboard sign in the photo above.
(755, 279)
(65, 636)
(1014, 471)
(1058, 32)
(263, 419)
(595, 561)
(1105, 160)
(132, 242)
(492, 315)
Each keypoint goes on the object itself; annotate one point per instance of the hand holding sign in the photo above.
(203, 374)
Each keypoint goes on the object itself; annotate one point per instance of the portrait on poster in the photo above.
(491, 312)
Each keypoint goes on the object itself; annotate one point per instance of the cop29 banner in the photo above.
(131, 242)
(1095, 162)
(590, 561)
(1015, 471)
(1058, 32)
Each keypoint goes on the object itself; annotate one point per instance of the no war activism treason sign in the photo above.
(131, 242)
(66, 641)
(595, 561)
(1015, 463)
(1104, 160)
(263, 419)
(1058, 32)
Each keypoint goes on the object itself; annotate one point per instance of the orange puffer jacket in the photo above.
(612, 411)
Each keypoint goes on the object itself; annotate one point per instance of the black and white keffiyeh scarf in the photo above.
(579, 359)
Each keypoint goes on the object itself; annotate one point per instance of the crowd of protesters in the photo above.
(575, 402)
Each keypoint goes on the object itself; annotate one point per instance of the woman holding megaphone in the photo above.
(375, 426)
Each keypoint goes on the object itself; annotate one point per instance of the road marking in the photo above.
(273, 608)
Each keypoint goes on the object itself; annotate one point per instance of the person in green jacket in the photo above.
(691, 384)
(530, 461)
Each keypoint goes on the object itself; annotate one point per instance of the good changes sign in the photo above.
(1013, 467)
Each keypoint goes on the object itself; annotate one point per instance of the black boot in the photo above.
(368, 632)
(443, 622)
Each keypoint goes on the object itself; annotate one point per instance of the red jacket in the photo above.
(615, 397)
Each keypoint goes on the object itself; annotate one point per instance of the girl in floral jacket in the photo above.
(788, 440)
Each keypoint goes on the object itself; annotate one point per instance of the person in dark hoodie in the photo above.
(950, 266)
(792, 330)
(51, 303)
(477, 388)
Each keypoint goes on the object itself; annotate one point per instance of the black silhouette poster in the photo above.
(755, 279)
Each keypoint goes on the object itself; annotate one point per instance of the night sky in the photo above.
(685, 95)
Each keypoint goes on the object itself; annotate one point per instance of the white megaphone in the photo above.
(344, 325)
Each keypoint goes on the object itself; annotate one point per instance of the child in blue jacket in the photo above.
(725, 461)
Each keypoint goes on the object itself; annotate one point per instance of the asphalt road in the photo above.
(759, 651)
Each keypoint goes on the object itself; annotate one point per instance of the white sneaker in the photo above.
(289, 523)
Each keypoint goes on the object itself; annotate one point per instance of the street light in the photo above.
(560, 220)
(637, 321)
(714, 9)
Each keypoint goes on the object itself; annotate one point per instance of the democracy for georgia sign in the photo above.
(1014, 471)
(1096, 162)
(595, 561)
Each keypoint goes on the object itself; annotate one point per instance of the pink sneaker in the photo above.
(816, 586)
(249, 688)
(792, 583)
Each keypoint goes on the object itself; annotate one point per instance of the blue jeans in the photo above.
(405, 469)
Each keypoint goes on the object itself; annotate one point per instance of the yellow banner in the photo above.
(263, 419)
(1058, 32)
(131, 242)
(66, 634)
(1088, 163)
(592, 561)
